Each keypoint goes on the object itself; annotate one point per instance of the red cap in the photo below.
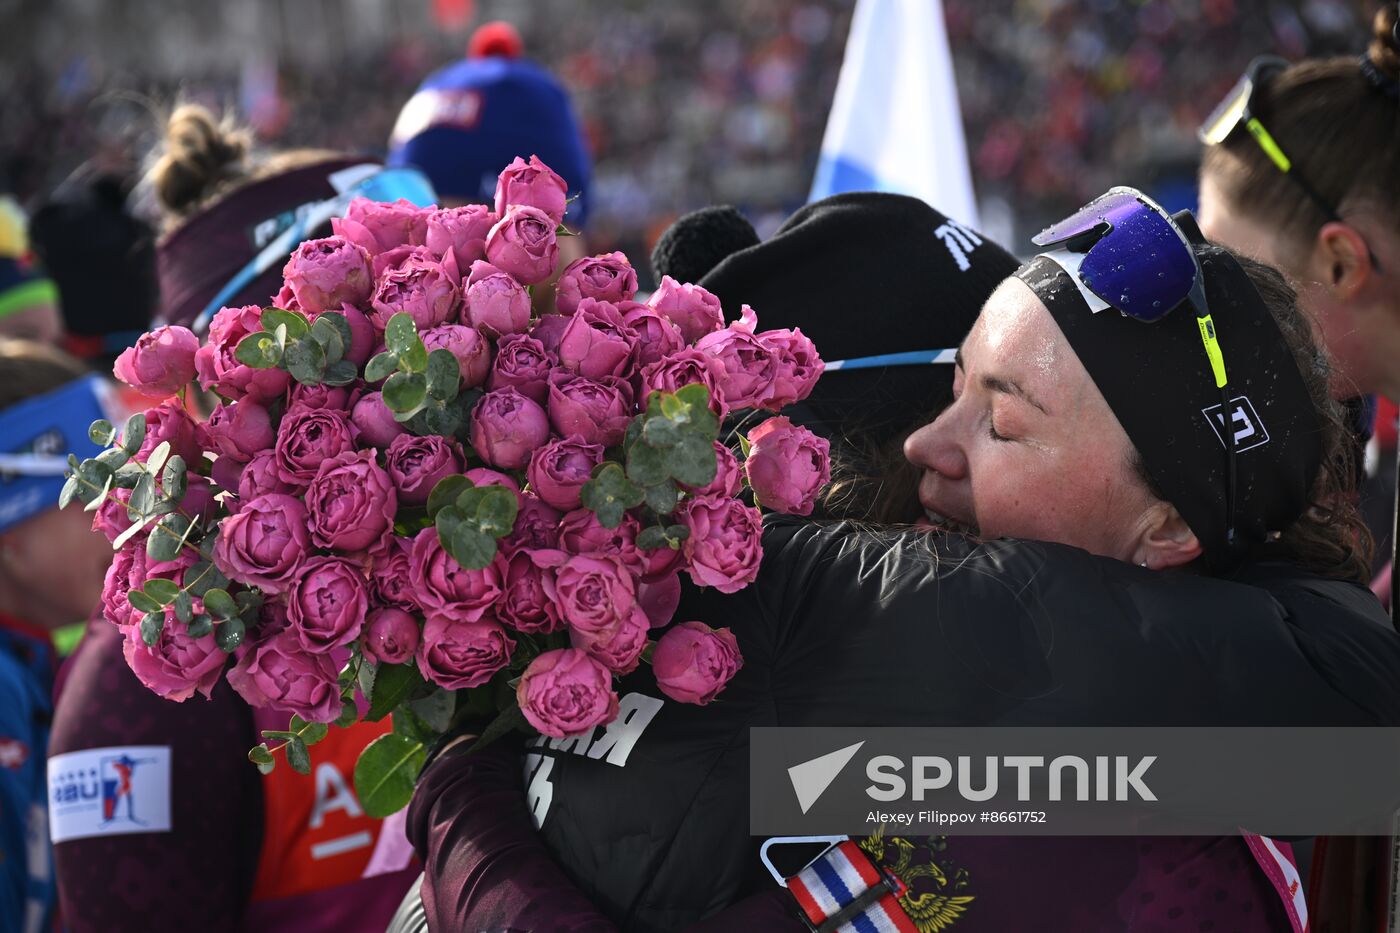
(497, 39)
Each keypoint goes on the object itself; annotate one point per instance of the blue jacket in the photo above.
(27, 889)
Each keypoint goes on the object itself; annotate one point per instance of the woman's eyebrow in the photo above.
(1008, 386)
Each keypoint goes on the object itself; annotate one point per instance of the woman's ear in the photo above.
(1341, 260)
(1166, 540)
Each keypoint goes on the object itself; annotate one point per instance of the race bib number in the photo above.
(109, 792)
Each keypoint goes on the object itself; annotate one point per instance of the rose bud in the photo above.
(176, 665)
(496, 303)
(238, 430)
(597, 341)
(522, 244)
(686, 367)
(416, 464)
(596, 592)
(472, 351)
(444, 588)
(162, 362)
(322, 396)
(326, 603)
(456, 654)
(724, 548)
(729, 475)
(265, 543)
(219, 370)
(536, 527)
(507, 428)
(391, 636)
(596, 412)
(695, 311)
(390, 575)
(460, 231)
(378, 226)
(549, 331)
(327, 273)
(660, 599)
(558, 470)
(532, 184)
(657, 337)
(694, 662)
(400, 256)
(169, 421)
(351, 503)
(306, 438)
(522, 363)
(609, 277)
(797, 367)
(426, 291)
(620, 647)
(580, 532)
(749, 366)
(375, 421)
(259, 477)
(566, 692)
(528, 601)
(277, 671)
(787, 466)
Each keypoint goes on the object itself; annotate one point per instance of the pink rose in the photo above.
(694, 662)
(580, 532)
(260, 477)
(724, 548)
(749, 366)
(327, 273)
(506, 426)
(660, 599)
(558, 470)
(695, 311)
(378, 226)
(787, 466)
(265, 543)
(351, 503)
(391, 575)
(620, 647)
(609, 277)
(522, 244)
(661, 563)
(729, 475)
(169, 421)
(326, 603)
(596, 592)
(444, 588)
(528, 600)
(176, 665)
(496, 303)
(277, 671)
(797, 367)
(161, 363)
(219, 370)
(426, 291)
(111, 518)
(391, 636)
(198, 501)
(597, 342)
(594, 411)
(565, 692)
(532, 184)
(308, 437)
(117, 583)
(460, 231)
(416, 464)
(322, 396)
(657, 337)
(238, 430)
(549, 331)
(686, 367)
(375, 421)
(536, 527)
(522, 363)
(472, 351)
(457, 654)
(400, 256)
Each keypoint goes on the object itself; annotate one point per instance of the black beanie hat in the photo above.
(865, 274)
(699, 241)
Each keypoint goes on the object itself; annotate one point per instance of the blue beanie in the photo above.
(469, 120)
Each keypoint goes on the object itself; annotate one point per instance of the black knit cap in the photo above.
(866, 274)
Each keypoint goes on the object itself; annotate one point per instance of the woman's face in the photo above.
(1029, 447)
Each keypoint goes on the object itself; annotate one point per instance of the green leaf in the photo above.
(385, 774)
(405, 392)
(229, 634)
(298, 756)
(163, 591)
(167, 537)
(677, 534)
(400, 334)
(184, 607)
(114, 457)
(333, 322)
(365, 677)
(310, 732)
(381, 366)
(745, 446)
(646, 465)
(444, 420)
(490, 510)
(141, 602)
(466, 544)
(696, 399)
(444, 375)
(156, 460)
(662, 432)
(672, 407)
(348, 714)
(652, 538)
(69, 492)
(340, 373)
(692, 460)
(174, 478)
(296, 324)
(261, 756)
(609, 494)
(260, 351)
(143, 497)
(446, 492)
(220, 603)
(128, 476)
(101, 497)
(101, 432)
(151, 626)
(305, 360)
(414, 360)
(202, 624)
(93, 476)
(393, 683)
(202, 577)
(136, 528)
(662, 498)
(134, 434)
(436, 709)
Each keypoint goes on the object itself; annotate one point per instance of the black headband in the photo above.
(1158, 381)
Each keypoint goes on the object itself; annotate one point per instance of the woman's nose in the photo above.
(935, 447)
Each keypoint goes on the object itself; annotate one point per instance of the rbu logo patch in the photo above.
(1249, 430)
(109, 792)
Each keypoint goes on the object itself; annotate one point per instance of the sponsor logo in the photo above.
(13, 753)
(1249, 429)
(960, 241)
(109, 792)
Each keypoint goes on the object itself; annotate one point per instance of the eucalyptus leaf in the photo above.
(340, 373)
(101, 497)
(200, 625)
(163, 591)
(167, 537)
(385, 774)
(414, 359)
(202, 577)
(400, 334)
(298, 756)
(305, 360)
(341, 325)
(405, 392)
(444, 375)
(381, 366)
(261, 756)
(152, 624)
(692, 460)
(134, 434)
(435, 418)
(652, 538)
(69, 492)
(327, 337)
(310, 732)
(101, 432)
(296, 324)
(142, 602)
(135, 529)
(349, 713)
(93, 476)
(662, 498)
(220, 604)
(259, 351)
(646, 465)
(184, 607)
(114, 457)
(229, 634)
(156, 461)
(174, 478)
(446, 491)
(467, 545)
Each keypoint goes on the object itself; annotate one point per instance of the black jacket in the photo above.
(847, 627)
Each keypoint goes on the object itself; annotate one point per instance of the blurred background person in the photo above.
(28, 298)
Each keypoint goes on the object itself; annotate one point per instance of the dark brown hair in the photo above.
(1341, 132)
